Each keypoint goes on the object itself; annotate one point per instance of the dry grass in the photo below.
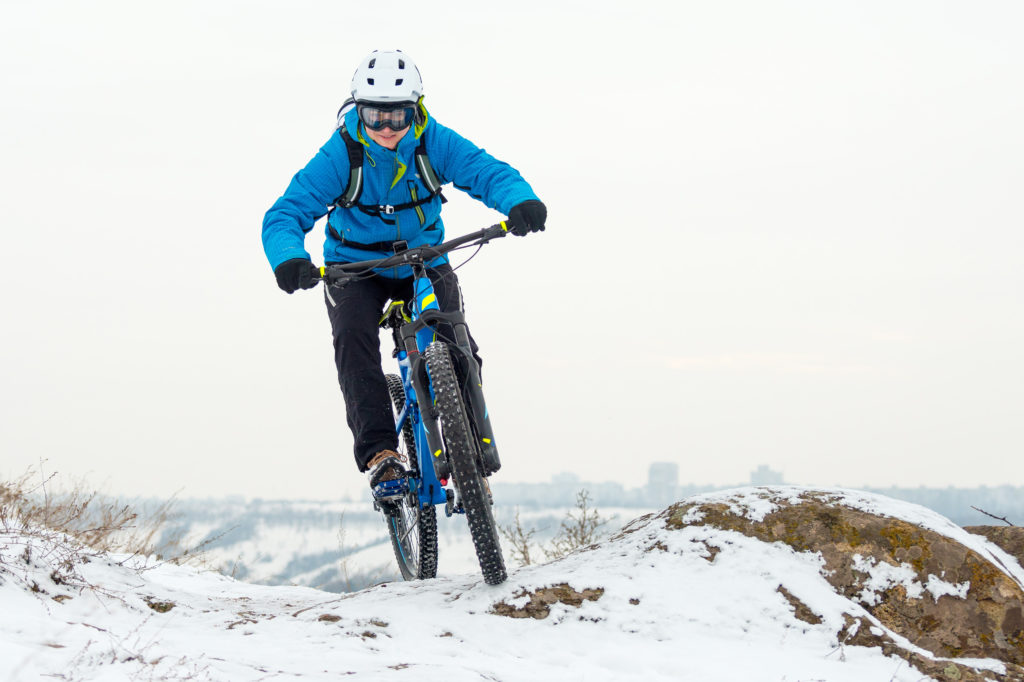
(34, 506)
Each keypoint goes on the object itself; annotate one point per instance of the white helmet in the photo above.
(387, 77)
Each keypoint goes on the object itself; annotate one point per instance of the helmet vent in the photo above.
(401, 63)
(372, 62)
(398, 81)
(370, 81)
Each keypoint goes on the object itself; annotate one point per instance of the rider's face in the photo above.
(386, 137)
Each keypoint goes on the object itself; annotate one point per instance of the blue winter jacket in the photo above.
(389, 178)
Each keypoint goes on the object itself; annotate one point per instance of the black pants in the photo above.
(354, 324)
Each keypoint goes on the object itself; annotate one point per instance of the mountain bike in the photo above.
(441, 417)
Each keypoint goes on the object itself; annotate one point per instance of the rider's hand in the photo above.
(527, 217)
(297, 273)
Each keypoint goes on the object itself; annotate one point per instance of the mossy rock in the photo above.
(958, 603)
(1009, 538)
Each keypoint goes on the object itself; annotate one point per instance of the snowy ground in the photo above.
(666, 613)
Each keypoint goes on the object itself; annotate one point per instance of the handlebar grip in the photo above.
(497, 231)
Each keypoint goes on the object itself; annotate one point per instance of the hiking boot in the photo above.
(386, 465)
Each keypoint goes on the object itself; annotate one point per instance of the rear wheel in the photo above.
(464, 458)
(413, 528)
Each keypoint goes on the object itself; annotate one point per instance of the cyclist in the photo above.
(392, 202)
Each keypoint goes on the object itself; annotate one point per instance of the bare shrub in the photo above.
(519, 540)
(580, 528)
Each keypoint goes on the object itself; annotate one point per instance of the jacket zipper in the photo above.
(398, 221)
(419, 211)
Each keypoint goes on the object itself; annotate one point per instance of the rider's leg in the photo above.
(354, 319)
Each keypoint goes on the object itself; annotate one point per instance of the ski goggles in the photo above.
(395, 116)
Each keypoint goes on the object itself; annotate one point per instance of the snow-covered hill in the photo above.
(652, 603)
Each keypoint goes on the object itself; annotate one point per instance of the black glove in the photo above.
(527, 217)
(297, 273)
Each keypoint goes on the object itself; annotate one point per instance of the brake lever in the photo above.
(339, 283)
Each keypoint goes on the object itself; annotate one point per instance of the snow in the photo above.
(668, 612)
(938, 588)
(883, 576)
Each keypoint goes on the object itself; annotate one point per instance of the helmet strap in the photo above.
(419, 116)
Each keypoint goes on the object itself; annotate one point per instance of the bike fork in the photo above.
(481, 417)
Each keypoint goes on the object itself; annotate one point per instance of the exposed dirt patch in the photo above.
(539, 606)
(159, 606)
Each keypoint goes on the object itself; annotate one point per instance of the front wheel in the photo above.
(463, 456)
(412, 527)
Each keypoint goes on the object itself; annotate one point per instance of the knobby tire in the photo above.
(412, 527)
(464, 460)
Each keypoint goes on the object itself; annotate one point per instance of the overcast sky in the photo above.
(780, 232)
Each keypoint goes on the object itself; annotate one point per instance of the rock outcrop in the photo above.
(938, 587)
(1010, 538)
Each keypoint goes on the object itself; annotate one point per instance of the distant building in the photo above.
(764, 475)
(609, 494)
(663, 474)
(662, 483)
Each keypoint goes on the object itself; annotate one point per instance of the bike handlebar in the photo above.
(416, 255)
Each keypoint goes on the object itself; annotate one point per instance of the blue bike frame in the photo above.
(428, 487)
(416, 335)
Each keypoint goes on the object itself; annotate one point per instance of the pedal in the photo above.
(390, 491)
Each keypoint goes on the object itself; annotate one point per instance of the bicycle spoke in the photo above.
(411, 528)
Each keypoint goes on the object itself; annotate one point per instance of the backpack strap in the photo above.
(350, 197)
(351, 194)
(425, 170)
